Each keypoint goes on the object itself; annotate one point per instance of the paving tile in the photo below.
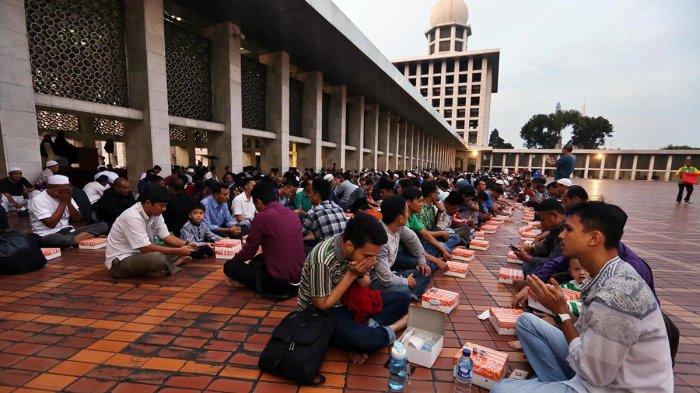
(50, 381)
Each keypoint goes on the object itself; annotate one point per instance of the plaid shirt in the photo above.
(325, 220)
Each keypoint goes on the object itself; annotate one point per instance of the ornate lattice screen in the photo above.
(253, 81)
(296, 92)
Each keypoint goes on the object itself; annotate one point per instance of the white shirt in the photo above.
(41, 207)
(132, 230)
(242, 205)
(94, 191)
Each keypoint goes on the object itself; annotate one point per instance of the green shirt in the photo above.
(302, 201)
(684, 169)
(323, 269)
(427, 216)
(414, 223)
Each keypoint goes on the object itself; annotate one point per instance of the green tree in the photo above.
(590, 132)
(679, 147)
(544, 131)
(538, 132)
(497, 142)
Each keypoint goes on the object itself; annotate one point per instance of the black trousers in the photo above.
(682, 186)
(255, 276)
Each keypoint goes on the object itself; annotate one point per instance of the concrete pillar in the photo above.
(356, 126)
(226, 96)
(148, 140)
(312, 121)
(617, 166)
(384, 136)
(529, 162)
(87, 132)
(371, 129)
(275, 153)
(411, 147)
(337, 112)
(190, 146)
(517, 161)
(503, 162)
(633, 176)
(602, 167)
(490, 161)
(394, 143)
(669, 162)
(650, 172)
(403, 144)
(19, 136)
(544, 165)
(587, 167)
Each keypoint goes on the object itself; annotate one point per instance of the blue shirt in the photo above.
(216, 215)
(565, 166)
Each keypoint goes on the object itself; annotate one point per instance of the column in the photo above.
(87, 132)
(148, 140)
(395, 135)
(503, 162)
(190, 143)
(411, 144)
(669, 162)
(650, 172)
(529, 162)
(371, 128)
(633, 176)
(226, 96)
(617, 166)
(403, 143)
(490, 160)
(275, 153)
(517, 161)
(312, 121)
(356, 126)
(337, 112)
(383, 139)
(19, 136)
(602, 167)
(588, 165)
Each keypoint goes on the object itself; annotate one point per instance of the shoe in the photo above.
(678, 202)
(686, 201)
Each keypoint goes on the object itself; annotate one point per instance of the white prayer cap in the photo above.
(58, 180)
(51, 163)
(565, 182)
(500, 182)
(14, 169)
(328, 177)
(190, 170)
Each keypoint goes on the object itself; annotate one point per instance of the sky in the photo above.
(634, 62)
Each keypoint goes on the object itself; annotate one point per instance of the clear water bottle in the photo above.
(463, 379)
(398, 366)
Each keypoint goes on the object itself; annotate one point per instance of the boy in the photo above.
(194, 232)
(580, 275)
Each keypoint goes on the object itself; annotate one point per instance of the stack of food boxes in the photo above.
(227, 248)
(51, 253)
(457, 269)
(503, 319)
(440, 299)
(481, 245)
(512, 258)
(462, 254)
(569, 295)
(508, 276)
(93, 244)
(489, 365)
(489, 228)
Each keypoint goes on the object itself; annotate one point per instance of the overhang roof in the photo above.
(319, 37)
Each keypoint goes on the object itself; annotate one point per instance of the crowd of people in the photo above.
(327, 237)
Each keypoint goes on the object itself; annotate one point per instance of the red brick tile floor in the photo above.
(70, 327)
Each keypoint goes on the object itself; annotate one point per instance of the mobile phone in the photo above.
(515, 249)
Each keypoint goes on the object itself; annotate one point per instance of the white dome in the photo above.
(449, 12)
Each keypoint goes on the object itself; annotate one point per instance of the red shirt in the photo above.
(278, 230)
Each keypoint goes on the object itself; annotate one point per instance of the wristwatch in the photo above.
(560, 318)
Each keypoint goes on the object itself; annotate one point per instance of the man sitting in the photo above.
(114, 201)
(277, 230)
(551, 215)
(336, 264)
(242, 205)
(429, 214)
(50, 210)
(131, 248)
(43, 180)
(217, 216)
(179, 207)
(619, 342)
(15, 188)
(95, 189)
(412, 281)
(414, 200)
(326, 219)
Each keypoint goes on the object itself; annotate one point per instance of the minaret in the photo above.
(449, 30)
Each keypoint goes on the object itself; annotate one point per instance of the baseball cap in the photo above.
(51, 163)
(565, 182)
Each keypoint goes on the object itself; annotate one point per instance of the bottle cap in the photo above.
(398, 351)
(466, 352)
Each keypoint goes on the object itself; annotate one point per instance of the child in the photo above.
(194, 231)
(580, 275)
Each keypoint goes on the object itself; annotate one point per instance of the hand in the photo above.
(549, 295)
(211, 245)
(411, 281)
(65, 195)
(522, 255)
(519, 298)
(235, 230)
(184, 250)
(425, 270)
(439, 205)
(446, 254)
(360, 268)
(443, 235)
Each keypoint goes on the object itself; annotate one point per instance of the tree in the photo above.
(544, 131)
(679, 147)
(497, 142)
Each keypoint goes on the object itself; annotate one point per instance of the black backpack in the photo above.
(20, 253)
(298, 345)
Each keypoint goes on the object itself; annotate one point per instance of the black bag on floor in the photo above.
(298, 345)
(19, 254)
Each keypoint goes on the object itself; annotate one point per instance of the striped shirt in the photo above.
(574, 305)
(323, 269)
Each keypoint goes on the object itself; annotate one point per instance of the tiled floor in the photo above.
(70, 327)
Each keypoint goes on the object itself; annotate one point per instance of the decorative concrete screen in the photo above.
(55, 121)
(109, 128)
(188, 67)
(253, 81)
(77, 49)
(296, 92)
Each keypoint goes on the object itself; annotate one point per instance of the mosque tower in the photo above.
(449, 30)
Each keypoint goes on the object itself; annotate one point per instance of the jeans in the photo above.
(66, 236)
(545, 347)
(374, 335)
(404, 261)
(416, 292)
(452, 242)
(151, 264)
(248, 274)
(681, 187)
(530, 386)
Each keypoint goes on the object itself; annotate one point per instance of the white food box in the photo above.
(457, 269)
(93, 244)
(511, 258)
(424, 322)
(51, 253)
(440, 300)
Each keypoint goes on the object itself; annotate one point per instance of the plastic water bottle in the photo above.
(397, 367)
(463, 380)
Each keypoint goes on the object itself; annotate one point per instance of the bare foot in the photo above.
(357, 358)
(183, 260)
(229, 282)
(515, 345)
(400, 324)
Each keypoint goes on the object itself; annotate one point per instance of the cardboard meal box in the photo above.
(228, 243)
(507, 275)
(93, 244)
(496, 220)
(503, 319)
(512, 258)
(51, 253)
(489, 365)
(535, 224)
(525, 243)
(227, 248)
(423, 323)
(569, 295)
(489, 229)
(440, 300)
(480, 235)
(529, 235)
(523, 228)
(462, 254)
(481, 245)
(457, 269)
(505, 219)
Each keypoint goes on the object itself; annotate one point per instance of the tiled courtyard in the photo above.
(70, 327)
